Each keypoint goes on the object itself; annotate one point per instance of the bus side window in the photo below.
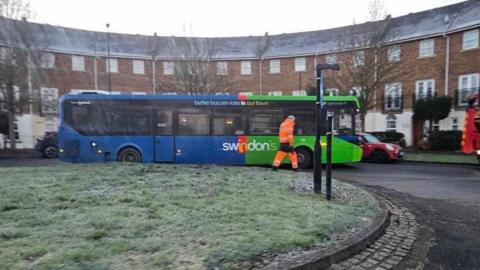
(193, 122)
(263, 122)
(164, 122)
(304, 120)
(228, 122)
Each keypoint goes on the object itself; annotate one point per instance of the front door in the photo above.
(164, 140)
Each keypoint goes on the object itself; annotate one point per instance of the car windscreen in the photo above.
(370, 138)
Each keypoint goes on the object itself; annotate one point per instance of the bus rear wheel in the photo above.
(304, 158)
(129, 155)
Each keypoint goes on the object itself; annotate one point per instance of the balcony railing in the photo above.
(461, 96)
(393, 104)
(419, 97)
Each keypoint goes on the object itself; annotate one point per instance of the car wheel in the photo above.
(50, 151)
(129, 155)
(380, 156)
(304, 158)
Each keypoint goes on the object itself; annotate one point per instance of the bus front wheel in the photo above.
(304, 157)
(129, 155)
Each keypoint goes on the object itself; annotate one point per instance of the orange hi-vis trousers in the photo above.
(281, 155)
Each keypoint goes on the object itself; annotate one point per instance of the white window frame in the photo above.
(332, 92)
(222, 68)
(355, 91)
(300, 64)
(169, 93)
(47, 60)
(49, 100)
(138, 67)
(470, 39)
(245, 93)
(358, 58)
(246, 67)
(391, 118)
(436, 125)
(331, 59)
(299, 93)
(78, 63)
(394, 53)
(472, 85)
(423, 85)
(111, 65)
(275, 66)
(388, 92)
(168, 68)
(454, 123)
(275, 93)
(15, 131)
(426, 48)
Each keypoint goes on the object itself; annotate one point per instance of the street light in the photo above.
(108, 59)
(317, 157)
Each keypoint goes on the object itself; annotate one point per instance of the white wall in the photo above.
(446, 124)
(31, 127)
(377, 121)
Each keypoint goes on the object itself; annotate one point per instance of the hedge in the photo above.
(445, 140)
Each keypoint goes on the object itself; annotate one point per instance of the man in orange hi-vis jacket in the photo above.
(285, 136)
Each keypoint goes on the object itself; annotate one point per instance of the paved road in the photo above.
(445, 200)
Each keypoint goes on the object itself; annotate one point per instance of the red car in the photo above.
(374, 149)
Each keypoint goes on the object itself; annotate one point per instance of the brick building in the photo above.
(437, 50)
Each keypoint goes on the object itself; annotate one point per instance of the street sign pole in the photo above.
(328, 184)
(317, 157)
(319, 117)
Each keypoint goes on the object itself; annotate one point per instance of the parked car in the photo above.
(390, 137)
(374, 149)
(48, 145)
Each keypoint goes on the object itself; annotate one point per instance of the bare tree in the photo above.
(193, 67)
(19, 63)
(366, 65)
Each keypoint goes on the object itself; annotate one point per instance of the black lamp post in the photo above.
(317, 157)
(108, 59)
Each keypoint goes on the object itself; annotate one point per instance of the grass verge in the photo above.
(130, 216)
(441, 158)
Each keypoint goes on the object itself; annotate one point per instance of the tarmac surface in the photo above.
(445, 200)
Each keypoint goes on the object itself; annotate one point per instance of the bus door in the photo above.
(193, 143)
(164, 140)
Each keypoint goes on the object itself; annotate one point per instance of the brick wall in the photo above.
(462, 62)
(411, 67)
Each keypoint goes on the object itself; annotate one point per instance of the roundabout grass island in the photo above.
(164, 216)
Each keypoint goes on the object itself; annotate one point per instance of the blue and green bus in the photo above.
(198, 129)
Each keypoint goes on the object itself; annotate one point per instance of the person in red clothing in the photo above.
(476, 139)
(285, 137)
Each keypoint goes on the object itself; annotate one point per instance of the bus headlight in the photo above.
(93, 144)
(99, 151)
(61, 150)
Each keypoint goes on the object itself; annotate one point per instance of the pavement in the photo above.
(445, 200)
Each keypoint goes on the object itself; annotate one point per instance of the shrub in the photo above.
(432, 109)
(445, 140)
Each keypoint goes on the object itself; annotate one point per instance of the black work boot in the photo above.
(274, 168)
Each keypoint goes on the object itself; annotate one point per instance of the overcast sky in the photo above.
(215, 17)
